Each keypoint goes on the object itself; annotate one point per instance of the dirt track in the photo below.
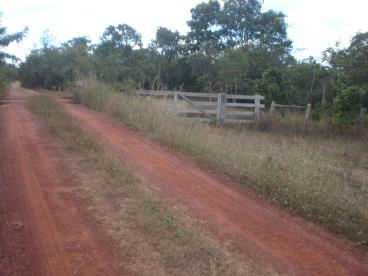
(240, 218)
(42, 231)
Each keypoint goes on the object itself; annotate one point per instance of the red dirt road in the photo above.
(239, 218)
(42, 231)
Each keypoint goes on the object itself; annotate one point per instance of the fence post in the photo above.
(221, 108)
(175, 101)
(361, 120)
(306, 116)
(257, 108)
(307, 112)
(272, 108)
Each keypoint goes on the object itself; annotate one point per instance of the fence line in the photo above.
(307, 108)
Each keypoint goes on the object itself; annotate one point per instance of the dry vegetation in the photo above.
(322, 179)
(288, 122)
(3, 92)
(156, 235)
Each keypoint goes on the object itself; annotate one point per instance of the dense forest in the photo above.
(232, 47)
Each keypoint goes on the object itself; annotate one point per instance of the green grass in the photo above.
(158, 236)
(320, 178)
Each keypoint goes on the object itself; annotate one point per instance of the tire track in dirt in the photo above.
(238, 217)
(42, 229)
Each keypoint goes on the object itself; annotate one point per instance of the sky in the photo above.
(313, 25)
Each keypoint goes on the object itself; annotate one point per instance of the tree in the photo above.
(6, 39)
(205, 25)
(350, 65)
(6, 71)
(168, 43)
(272, 37)
(234, 71)
(239, 21)
(271, 86)
(122, 35)
(77, 51)
(355, 60)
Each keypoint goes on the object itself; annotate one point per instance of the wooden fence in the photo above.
(307, 108)
(206, 107)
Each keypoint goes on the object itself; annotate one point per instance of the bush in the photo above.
(347, 106)
(3, 86)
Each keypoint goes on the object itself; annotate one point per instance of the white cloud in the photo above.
(318, 24)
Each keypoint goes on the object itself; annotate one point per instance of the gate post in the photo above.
(307, 112)
(175, 101)
(221, 108)
(257, 108)
(272, 108)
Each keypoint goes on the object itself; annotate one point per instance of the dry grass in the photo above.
(3, 90)
(157, 235)
(322, 179)
(292, 123)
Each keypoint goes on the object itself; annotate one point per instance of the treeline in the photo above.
(232, 47)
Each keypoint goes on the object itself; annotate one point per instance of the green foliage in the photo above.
(54, 67)
(122, 36)
(6, 39)
(347, 105)
(234, 71)
(270, 86)
(7, 72)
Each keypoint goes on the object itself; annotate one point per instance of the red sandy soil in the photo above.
(42, 228)
(238, 217)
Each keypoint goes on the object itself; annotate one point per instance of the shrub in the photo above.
(347, 105)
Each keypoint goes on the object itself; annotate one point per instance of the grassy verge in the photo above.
(4, 88)
(158, 236)
(322, 179)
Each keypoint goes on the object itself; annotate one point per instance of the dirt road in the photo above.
(42, 230)
(239, 218)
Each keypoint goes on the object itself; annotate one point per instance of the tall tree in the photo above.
(122, 35)
(78, 52)
(205, 25)
(239, 21)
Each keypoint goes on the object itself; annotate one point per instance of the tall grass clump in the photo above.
(4, 86)
(324, 180)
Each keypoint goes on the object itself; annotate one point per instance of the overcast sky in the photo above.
(314, 25)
